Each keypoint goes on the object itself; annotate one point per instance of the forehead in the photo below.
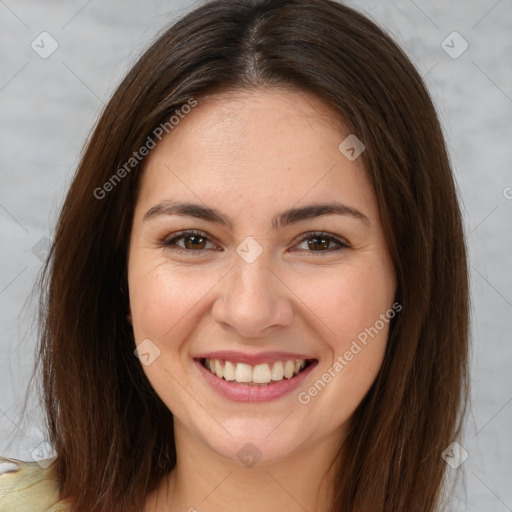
(269, 121)
(269, 102)
(257, 144)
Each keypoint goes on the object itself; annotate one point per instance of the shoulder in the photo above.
(28, 486)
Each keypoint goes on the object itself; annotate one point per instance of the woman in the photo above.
(257, 293)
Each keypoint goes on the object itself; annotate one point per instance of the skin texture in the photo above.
(252, 154)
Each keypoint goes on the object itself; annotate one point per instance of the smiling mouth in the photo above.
(264, 374)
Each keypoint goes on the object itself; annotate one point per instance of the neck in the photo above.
(205, 481)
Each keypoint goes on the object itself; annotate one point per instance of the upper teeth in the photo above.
(258, 374)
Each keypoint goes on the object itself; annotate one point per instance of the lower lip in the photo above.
(244, 393)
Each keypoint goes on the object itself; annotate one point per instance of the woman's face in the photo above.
(271, 280)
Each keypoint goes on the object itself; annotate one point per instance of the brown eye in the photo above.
(188, 241)
(322, 242)
(194, 242)
(318, 243)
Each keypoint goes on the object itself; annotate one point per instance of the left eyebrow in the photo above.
(283, 219)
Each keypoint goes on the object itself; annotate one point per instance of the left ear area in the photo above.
(129, 314)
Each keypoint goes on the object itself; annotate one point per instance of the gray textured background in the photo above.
(48, 106)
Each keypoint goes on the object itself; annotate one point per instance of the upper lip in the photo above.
(252, 359)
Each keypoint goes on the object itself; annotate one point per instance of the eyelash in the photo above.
(169, 242)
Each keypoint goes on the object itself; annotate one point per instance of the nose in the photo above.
(253, 300)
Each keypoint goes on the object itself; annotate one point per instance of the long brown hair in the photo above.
(112, 433)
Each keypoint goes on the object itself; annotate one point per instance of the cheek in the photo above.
(355, 306)
(165, 305)
(161, 298)
(347, 300)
